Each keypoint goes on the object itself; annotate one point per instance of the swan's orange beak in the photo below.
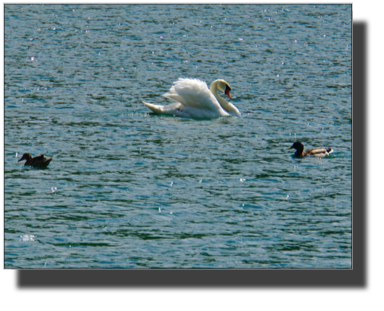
(227, 89)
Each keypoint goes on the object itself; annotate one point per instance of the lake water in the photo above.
(129, 189)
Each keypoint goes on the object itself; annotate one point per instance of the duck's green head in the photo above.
(297, 145)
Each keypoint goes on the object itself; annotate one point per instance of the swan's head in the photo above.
(222, 86)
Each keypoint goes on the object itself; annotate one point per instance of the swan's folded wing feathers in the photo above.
(155, 108)
(193, 93)
(159, 109)
(177, 98)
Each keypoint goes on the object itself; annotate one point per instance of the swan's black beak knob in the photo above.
(227, 89)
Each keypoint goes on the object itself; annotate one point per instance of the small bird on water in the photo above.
(313, 152)
(38, 161)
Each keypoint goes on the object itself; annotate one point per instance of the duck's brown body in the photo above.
(313, 152)
(38, 161)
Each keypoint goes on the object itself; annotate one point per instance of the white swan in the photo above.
(194, 100)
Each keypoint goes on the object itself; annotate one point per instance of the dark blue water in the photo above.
(128, 189)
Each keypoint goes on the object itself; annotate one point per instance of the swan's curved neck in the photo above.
(223, 103)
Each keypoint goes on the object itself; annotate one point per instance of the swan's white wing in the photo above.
(177, 109)
(169, 109)
(195, 94)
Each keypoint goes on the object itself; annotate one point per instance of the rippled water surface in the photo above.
(129, 189)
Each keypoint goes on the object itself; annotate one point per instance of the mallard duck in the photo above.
(38, 161)
(313, 152)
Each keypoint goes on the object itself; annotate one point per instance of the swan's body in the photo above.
(313, 152)
(193, 99)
